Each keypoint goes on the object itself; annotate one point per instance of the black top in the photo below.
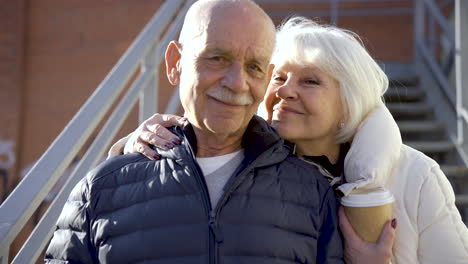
(334, 169)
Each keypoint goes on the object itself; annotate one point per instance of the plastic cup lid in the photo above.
(375, 198)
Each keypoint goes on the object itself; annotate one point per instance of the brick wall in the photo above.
(71, 47)
(387, 36)
(12, 29)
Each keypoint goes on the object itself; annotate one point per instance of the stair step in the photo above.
(461, 200)
(404, 94)
(453, 171)
(403, 81)
(400, 73)
(420, 126)
(409, 109)
(432, 147)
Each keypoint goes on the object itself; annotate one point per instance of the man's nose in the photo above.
(235, 78)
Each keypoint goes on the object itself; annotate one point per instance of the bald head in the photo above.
(221, 64)
(204, 13)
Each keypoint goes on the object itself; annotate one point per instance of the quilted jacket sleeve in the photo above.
(71, 241)
(330, 245)
(443, 238)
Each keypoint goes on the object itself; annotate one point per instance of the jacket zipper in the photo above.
(232, 185)
(215, 236)
(206, 203)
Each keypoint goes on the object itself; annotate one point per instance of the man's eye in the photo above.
(217, 58)
(255, 67)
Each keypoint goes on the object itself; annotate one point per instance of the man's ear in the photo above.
(172, 57)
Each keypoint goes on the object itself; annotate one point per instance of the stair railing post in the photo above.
(419, 11)
(461, 66)
(432, 36)
(334, 12)
(4, 255)
(148, 97)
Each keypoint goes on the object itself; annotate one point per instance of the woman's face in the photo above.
(304, 104)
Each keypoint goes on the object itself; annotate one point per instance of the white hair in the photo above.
(341, 54)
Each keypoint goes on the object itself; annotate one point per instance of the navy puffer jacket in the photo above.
(275, 209)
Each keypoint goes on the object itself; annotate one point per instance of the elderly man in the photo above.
(230, 192)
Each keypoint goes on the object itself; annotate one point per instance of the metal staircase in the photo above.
(420, 129)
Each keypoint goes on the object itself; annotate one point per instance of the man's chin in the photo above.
(225, 127)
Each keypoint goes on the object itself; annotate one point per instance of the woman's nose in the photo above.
(286, 91)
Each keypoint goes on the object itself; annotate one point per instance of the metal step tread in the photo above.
(397, 81)
(417, 126)
(431, 146)
(414, 108)
(405, 93)
(454, 171)
(461, 200)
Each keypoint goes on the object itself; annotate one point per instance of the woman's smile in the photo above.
(284, 109)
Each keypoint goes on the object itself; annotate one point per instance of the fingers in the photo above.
(172, 120)
(153, 139)
(153, 132)
(166, 120)
(146, 150)
(387, 237)
(158, 133)
(161, 137)
(135, 144)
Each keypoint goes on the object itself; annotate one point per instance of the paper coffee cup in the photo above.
(369, 212)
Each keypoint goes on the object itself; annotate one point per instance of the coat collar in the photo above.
(259, 139)
(374, 151)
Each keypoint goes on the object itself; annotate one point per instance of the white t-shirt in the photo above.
(217, 170)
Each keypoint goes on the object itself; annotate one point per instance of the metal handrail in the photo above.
(143, 54)
(426, 53)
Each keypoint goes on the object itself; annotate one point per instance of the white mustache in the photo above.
(227, 96)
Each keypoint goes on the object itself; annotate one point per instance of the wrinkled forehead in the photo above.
(247, 39)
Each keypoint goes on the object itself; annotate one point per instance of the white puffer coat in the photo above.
(430, 229)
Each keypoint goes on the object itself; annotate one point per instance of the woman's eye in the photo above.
(278, 79)
(311, 82)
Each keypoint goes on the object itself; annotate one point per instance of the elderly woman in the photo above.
(325, 96)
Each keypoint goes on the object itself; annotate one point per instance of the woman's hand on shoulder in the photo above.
(356, 250)
(151, 132)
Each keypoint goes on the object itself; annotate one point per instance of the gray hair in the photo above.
(341, 54)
